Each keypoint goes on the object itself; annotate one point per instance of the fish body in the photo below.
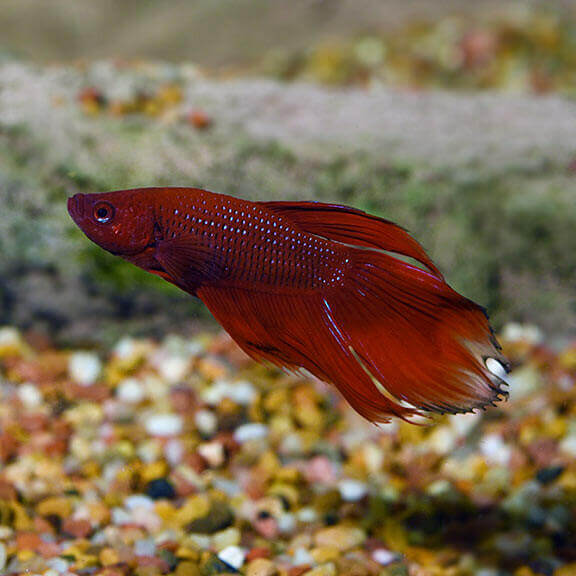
(311, 285)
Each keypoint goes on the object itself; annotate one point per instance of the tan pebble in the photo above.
(77, 548)
(277, 401)
(268, 464)
(212, 369)
(288, 475)
(99, 513)
(147, 570)
(568, 481)
(25, 555)
(84, 561)
(225, 538)
(187, 553)
(3, 556)
(322, 570)
(154, 470)
(194, 508)
(11, 342)
(324, 554)
(60, 507)
(112, 571)
(167, 513)
(220, 516)
(21, 519)
(280, 426)
(328, 501)
(108, 557)
(261, 567)
(341, 536)
(309, 417)
(187, 569)
(286, 493)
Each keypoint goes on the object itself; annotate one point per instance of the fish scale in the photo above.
(256, 246)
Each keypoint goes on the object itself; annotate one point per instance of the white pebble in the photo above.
(120, 517)
(384, 557)
(29, 395)
(514, 332)
(213, 453)
(125, 348)
(131, 391)
(286, 523)
(291, 445)
(442, 440)
(440, 487)
(206, 422)
(138, 501)
(524, 381)
(202, 541)
(241, 392)
(84, 368)
(214, 394)
(174, 451)
(149, 451)
(234, 556)
(147, 519)
(568, 445)
(145, 547)
(173, 369)
(464, 423)
(229, 487)
(58, 564)
(251, 431)
(3, 556)
(373, 457)
(10, 337)
(302, 556)
(495, 450)
(352, 490)
(164, 425)
(488, 572)
(307, 515)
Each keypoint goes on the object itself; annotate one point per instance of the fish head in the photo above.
(121, 222)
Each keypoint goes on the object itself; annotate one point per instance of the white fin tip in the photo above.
(496, 368)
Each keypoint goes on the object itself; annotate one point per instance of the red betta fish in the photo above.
(315, 286)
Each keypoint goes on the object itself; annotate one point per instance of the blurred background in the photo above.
(455, 119)
(136, 439)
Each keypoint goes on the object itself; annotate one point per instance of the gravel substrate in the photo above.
(184, 457)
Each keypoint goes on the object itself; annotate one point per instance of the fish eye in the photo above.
(103, 212)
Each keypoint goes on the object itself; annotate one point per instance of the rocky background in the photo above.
(137, 441)
(383, 121)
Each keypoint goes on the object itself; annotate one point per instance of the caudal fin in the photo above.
(425, 346)
(395, 340)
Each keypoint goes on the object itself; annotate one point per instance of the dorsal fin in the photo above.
(352, 226)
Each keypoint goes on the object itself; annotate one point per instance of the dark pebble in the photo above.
(545, 566)
(219, 517)
(160, 489)
(549, 475)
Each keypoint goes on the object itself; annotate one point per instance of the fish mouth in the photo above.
(77, 207)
